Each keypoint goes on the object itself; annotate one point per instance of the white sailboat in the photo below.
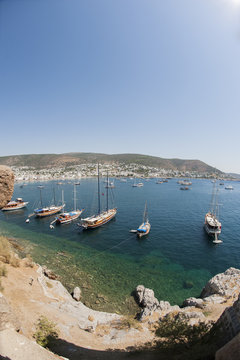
(145, 227)
(212, 225)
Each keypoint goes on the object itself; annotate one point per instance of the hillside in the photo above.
(70, 159)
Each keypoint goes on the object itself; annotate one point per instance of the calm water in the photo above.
(175, 260)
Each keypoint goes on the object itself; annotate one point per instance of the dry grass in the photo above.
(7, 255)
(127, 322)
(102, 329)
(28, 261)
(49, 285)
(3, 271)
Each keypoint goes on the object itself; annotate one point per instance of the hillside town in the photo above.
(119, 170)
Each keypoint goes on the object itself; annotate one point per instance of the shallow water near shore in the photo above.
(175, 260)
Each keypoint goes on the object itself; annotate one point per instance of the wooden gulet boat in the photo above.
(49, 210)
(68, 217)
(102, 217)
(145, 227)
(15, 205)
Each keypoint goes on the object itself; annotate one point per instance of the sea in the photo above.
(176, 259)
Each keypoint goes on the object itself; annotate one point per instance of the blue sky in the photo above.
(121, 76)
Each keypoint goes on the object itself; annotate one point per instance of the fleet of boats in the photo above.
(212, 225)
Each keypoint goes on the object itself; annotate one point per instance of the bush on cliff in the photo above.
(178, 339)
(46, 331)
(175, 331)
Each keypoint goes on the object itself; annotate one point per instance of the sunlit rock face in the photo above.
(6, 185)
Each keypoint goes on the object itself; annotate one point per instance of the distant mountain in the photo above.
(54, 160)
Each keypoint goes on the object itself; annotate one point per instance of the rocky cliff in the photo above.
(6, 185)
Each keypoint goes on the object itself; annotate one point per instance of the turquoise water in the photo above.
(175, 260)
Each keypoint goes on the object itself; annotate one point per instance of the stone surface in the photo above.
(225, 284)
(15, 346)
(192, 301)
(86, 318)
(146, 300)
(7, 317)
(76, 293)
(49, 273)
(6, 185)
(214, 299)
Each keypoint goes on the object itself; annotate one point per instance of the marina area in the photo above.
(175, 259)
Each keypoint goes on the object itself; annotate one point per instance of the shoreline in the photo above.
(86, 329)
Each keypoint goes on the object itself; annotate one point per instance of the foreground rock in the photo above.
(146, 300)
(6, 185)
(8, 318)
(17, 347)
(76, 293)
(226, 284)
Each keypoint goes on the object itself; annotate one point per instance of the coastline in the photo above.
(83, 328)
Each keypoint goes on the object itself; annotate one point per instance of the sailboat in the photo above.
(212, 225)
(145, 227)
(102, 217)
(49, 210)
(67, 217)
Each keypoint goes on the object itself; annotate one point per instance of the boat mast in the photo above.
(74, 197)
(54, 197)
(41, 197)
(99, 204)
(213, 198)
(107, 189)
(62, 200)
(145, 215)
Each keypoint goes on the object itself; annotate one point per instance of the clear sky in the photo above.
(157, 77)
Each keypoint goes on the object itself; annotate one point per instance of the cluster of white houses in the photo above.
(114, 170)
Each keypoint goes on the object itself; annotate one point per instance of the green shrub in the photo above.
(178, 331)
(46, 331)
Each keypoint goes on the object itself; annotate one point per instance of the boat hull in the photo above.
(211, 225)
(104, 219)
(146, 227)
(48, 212)
(17, 207)
(68, 218)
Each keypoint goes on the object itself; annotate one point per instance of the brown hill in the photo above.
(70, 159)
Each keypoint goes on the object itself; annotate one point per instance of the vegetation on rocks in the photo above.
(46, 331)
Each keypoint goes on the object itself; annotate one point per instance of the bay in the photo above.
(176, 259)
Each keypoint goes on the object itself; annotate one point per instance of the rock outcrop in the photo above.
(146, 300)
(76, 293)
(6, 185)
(226, 284)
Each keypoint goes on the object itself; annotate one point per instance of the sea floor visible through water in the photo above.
(175, 260)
